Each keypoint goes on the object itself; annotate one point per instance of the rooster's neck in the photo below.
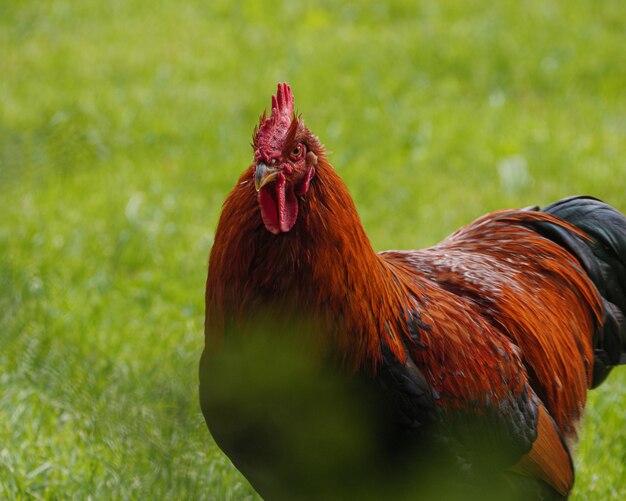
(361, 295)
(324, 269)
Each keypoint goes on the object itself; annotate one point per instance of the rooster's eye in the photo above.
(296, 151)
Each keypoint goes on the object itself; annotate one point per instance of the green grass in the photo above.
(124, 124)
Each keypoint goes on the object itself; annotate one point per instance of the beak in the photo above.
(264, 175)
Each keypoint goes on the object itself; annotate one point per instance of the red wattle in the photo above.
(269, 213)
(279, 206)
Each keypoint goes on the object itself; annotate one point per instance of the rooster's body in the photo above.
(492, 336)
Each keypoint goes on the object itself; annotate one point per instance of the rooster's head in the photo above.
(285, 157)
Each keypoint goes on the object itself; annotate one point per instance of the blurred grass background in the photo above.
(124, 124)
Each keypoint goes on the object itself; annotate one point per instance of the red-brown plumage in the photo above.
(505, 313)
(529, 290)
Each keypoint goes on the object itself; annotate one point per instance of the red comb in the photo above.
(271, 130)
(282, 103)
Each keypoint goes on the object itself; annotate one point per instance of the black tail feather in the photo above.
(603, 257)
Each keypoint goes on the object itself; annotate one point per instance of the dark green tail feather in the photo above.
(604, 259)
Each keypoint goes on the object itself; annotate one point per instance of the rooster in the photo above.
(476, 353)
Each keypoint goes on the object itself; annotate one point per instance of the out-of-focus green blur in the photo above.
(124, 124)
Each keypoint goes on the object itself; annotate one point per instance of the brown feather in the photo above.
(529, 290)
(549, 458)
